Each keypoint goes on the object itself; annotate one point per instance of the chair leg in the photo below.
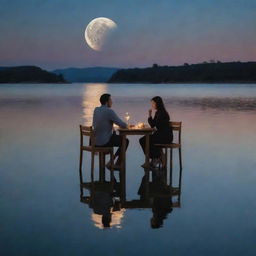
(102, 166)
(81, 192)
(180, 179)
(147, 181)
(180, 159)
(112, 169)
(171, 167)
(80, 166)
(92, 166)
(166, 161)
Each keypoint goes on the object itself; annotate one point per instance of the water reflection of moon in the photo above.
(91, 96)
(116, 219)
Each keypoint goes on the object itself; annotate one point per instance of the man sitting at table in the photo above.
(103, 119)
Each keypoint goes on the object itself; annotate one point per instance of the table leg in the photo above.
(147, 165)
(123, 169)
(147, 151)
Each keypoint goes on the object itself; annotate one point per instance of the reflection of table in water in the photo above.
(156, 189)
(127, 132)
(161, 197)
(134, 203)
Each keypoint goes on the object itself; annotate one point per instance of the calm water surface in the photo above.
(41, 212)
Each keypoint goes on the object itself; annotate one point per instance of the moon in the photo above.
(98, 32)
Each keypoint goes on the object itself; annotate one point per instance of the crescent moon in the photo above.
(98, 32)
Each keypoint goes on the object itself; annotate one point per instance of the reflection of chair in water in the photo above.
(176, 126)
(109, 205)
(88, 131)
(159, 196)
(158, 187)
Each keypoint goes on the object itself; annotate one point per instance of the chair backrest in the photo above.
(89, 132)
(176, 126)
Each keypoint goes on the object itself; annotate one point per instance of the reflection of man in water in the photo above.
(162, 203)
(101, 204)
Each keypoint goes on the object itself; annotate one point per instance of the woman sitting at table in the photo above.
(163, 133)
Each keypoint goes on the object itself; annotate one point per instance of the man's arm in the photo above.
(117, 120)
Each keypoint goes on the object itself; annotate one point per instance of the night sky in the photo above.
(50, 33)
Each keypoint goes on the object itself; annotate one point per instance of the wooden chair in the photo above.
(176, 126)
(103, 151)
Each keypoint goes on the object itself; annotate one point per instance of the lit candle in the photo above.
(140, 125)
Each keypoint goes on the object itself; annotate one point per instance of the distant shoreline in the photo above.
(132, 83)
(35, 82)
(231, 82)
(28, 74)
(202, 73)
(215, 72)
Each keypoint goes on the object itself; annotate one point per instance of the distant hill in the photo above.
(194, 73)
(28, 74)
(94, 74)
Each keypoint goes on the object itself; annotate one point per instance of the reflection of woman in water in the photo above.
(162, 203)
(161, 207)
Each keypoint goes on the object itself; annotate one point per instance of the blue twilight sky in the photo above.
(50, 33)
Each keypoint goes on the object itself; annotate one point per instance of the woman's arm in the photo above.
(151, 121)
(159, 120)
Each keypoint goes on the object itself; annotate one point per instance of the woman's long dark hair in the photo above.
(160, 105)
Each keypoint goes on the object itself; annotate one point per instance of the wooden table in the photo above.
(124, 132)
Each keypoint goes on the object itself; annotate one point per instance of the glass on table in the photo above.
(127, 117)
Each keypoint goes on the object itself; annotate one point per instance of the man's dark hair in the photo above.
(104, 98)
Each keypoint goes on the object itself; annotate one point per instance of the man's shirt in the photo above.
(103, 120)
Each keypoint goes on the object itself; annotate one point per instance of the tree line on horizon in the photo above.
(209, 72)
(28, 74)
